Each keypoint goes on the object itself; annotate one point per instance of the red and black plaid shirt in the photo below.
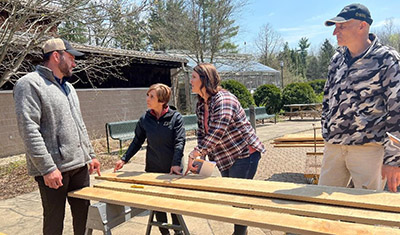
(229, 132)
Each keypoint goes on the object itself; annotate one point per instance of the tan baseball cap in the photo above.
(58, 44)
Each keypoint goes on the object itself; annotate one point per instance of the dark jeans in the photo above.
(162, 217)
(53, 202)
(244, 168)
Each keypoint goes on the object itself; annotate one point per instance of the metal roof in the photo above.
(232, 63)
(129, 53)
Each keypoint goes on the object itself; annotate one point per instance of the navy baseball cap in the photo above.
(353, 11)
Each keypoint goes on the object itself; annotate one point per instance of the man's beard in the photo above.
(63, 66)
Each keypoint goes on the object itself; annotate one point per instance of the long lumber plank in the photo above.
(298, 142)
(299, 137)
(275, 205)
(361, 198)
(288, 145)
(255, 218)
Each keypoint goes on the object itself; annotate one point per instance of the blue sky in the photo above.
(294, 19)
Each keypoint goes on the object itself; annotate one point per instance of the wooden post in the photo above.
(187, 89)
(253, 117)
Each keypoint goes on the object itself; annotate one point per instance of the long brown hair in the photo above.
(209, 77)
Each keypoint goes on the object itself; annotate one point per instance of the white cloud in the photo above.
(318, 18)
(315, 34)
(295, 29)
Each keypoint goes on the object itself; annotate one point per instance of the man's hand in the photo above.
(392, 174)
(53, 179)
(94, 166)
(119, 165)
(175, 170)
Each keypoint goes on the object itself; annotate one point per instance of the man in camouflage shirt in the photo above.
(361, 103)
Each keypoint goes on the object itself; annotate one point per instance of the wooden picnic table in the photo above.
(302, 109)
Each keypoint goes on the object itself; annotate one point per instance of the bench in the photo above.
(261, 114)
(122, 131)
(190, 122)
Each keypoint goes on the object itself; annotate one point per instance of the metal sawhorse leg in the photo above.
(103, 216)
(180, 227)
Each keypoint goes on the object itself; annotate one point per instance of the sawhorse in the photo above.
(181, 227)
(103, 216)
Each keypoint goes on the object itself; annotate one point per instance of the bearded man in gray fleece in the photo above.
(58, 149)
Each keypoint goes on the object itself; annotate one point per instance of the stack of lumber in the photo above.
(299, 140)
(294, 208)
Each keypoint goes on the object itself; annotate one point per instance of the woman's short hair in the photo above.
(163, 93)
(209, 77)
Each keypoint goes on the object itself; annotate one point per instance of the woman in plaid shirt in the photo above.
(224, 134)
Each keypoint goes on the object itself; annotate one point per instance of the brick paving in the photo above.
(24, 213)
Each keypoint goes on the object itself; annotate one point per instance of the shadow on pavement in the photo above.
(289, 177)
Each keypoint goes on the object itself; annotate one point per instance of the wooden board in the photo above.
(298, 142)
(299, 137)
(288, 145)
(314, 154)
(360, 198)
(255, 218)
(275, 205)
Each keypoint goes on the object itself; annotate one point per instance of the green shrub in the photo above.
(320, 97)
(317, 85)
(240, 91)
(298, 93)
(270, 96)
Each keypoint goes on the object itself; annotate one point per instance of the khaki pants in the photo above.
(360, 163)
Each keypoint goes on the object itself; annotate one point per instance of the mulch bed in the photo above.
(14, 178)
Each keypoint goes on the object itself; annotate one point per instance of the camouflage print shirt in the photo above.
(362, 100)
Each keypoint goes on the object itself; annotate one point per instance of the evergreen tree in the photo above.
(302, 65)
(325, 55)
(313, 68)
(73, 31)
(212, 26)
(168, 24)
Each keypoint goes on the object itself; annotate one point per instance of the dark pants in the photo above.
(53, 202)
(162, 217)
(244, 168)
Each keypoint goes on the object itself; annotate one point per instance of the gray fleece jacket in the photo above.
(50, 124)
